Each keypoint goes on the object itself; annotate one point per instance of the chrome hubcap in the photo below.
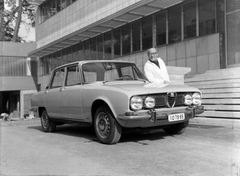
(103, 124)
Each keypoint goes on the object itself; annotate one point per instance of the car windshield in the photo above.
(110, 71)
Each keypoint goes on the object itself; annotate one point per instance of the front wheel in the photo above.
(177, 128)
(47, 124)
(106, 127)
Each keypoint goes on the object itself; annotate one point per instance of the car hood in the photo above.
(147, 88)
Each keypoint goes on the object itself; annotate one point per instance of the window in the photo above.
(116, 42)
(93, 48)
(233, 42)
(147, 32)
(207, 11)
(58, 78)
(80, 51)
(68, 2)
(69, 54)
(126, 41)
(72, 76)
(63, 4)
(86, 50)
(136, 36)
(174, 24)
(100, 47)
(161, 28)
(58, 5)
(74, 53)
(189, 15)
(232, 5)
(107, 46)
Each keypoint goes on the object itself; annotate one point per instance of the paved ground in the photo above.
(203, 150)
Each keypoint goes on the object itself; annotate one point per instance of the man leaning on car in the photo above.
(155, 69)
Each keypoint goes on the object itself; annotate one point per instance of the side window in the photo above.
(89, 77)
(72, 76)
(58, 78)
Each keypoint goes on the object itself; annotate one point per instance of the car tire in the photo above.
(177, 128)
(47, 124)
(106, 127)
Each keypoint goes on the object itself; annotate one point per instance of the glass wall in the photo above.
(207, 17)
(147, 32)
(136, 36)
(100, 47)
(126, 41)
(108, 46)
(93, 49)
(116, 42)
(161, 28)
(174, 24)
(86, 49)
(233, 28)
(189, 19)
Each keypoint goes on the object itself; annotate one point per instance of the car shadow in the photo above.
(204, 126)
(84, 131)
(142, 136)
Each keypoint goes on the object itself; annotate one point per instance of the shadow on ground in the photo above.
(87, 132)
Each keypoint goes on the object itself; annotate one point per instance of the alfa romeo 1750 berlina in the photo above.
(114, 96)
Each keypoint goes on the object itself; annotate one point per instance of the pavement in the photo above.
(231, 123)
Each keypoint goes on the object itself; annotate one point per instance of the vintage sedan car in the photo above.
(113, 96)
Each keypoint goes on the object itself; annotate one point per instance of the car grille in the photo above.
(169, 100)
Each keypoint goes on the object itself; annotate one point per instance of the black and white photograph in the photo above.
(119, 88)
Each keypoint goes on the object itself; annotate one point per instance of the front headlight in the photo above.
(149, 102)
(196, 99)
(188, 100)
(136, 103)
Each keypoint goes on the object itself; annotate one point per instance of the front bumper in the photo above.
(156, 117)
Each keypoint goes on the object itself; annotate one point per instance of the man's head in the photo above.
(152, 54)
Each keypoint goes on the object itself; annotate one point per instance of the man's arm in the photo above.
(149, 73)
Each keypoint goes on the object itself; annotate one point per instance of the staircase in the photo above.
(220, 92)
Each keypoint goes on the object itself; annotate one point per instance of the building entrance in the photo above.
(10, 103)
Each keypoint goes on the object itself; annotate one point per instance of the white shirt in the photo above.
(154, 73)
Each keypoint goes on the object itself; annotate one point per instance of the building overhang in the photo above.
(8, 83)
(129, 14)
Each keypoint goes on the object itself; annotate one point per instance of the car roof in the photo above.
(92, 61)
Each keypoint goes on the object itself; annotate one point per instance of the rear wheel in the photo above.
(47, 124)
(106, 127)
(177, 128)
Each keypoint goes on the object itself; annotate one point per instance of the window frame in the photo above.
(77, 72)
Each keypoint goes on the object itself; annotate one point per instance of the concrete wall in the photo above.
(16, 49)
(11, 83)
(77, 16)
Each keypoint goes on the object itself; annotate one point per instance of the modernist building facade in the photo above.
(17, 78)
(200, 34)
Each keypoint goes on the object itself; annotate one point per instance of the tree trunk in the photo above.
(1, 20)
(17, 26)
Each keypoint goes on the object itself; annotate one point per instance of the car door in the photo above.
(52, 93)
(71, 95)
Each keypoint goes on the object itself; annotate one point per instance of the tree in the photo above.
(1, 20)
(15, 15)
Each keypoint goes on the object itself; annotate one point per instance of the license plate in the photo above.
(176, 117)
